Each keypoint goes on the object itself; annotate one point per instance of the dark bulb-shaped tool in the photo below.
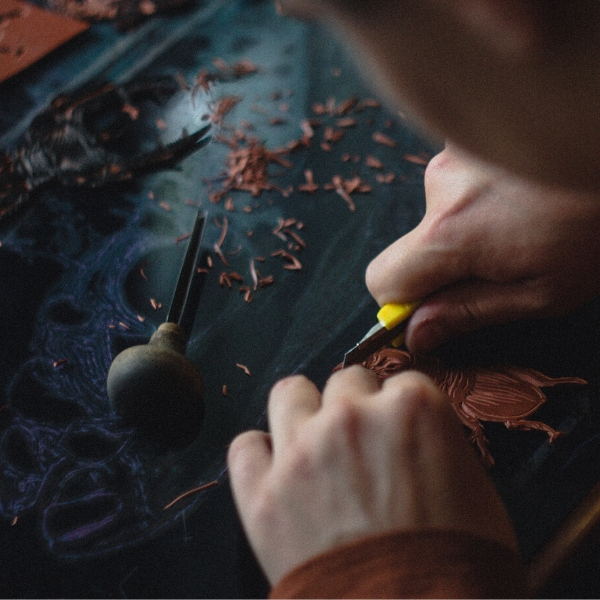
(154, 386)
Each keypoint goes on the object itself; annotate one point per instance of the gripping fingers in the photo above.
(291, 402)
(249, 460)
(409, 396)
(421, 418)
(353, 383)
(469, 305)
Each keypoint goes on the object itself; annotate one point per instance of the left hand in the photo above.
(363, 458)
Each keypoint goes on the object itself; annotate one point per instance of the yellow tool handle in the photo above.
(392, 314)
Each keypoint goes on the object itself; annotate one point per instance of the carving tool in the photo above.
(392, 320)
(154, 386)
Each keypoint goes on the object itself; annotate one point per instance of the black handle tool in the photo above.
(154, 386)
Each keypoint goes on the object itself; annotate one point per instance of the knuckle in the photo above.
(339, 379)
(287, 385)
(436, 169)
(235, 451)
(237, 447)
(384, 274)
(412, 384)
(408, 394)
(349, 372)
(435, 165)
(342, 416)
(371, 276)
(350, 385)
(340, 428)
(300, 463)
(238, 451)
(472, 315)
(375, 276)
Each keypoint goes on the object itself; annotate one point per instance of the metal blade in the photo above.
(376, 338)
(188, 271)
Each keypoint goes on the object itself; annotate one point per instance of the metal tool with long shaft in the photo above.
(392, 320)
(154, 386)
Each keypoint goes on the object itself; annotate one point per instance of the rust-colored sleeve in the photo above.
(428, 564)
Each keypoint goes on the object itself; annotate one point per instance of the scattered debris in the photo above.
(244, 368)
(191, 492)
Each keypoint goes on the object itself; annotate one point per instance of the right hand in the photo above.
(492, 248)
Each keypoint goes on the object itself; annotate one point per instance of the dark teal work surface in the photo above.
(81, 498)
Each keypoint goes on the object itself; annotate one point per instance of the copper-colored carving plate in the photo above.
(27, 33)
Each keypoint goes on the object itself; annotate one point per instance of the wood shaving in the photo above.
(196, 490)
(416, 160)
(345, 187)
(293, 264)
(383, 139)
(308, 126)
(132, 111)
(248, 169)
(300, 243)
(310, 186)
(347, 122)
(333, 135)
(217, 246)
(142, 272)
(224, 105)
(341, 190)
(387, 178)
(373, 162)
(236, 70)
(183, 84)
(345, 107)
(182, 237)
(245, 289)
(368, 103)
(319, 109)
(330, 106)
(253, 274)
(224, 279)
(243, 368)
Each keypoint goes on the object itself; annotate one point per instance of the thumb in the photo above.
(417, 265)
(468, 306)
(248, 459)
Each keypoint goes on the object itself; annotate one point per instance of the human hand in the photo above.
(491, 248)
(362, 458)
